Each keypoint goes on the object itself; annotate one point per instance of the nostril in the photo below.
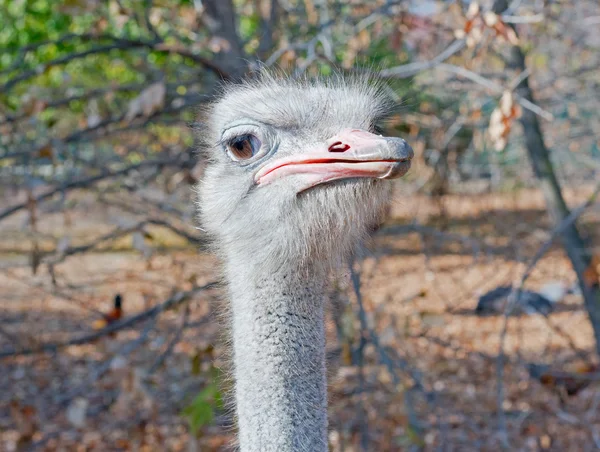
(338, 146)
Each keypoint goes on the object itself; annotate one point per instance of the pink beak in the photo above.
(350, 154)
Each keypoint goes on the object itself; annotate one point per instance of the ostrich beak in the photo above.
(352, 153)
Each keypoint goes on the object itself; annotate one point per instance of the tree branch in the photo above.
(81, 183)
(117, 44)
(170, 303)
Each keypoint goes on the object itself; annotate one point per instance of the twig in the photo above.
(594, 431)
(558, 230)
(54, 293)
(363, 418)
(566, 337)
(419, 228)
(115, 234)
(81, 183)
(104, 367)
(390, 363)
(411, 69)
(507, 19)
(10, 336)
(116, 44)
(495, 87)
(170, 303)
(175, 340)
(93, 93)
(41, 68)
(120, 232)
(513, 300)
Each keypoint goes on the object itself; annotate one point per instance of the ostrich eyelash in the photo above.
(224, 142)
(229, 138)
(377, 129)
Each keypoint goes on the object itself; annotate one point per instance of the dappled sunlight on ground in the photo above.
(419, 292)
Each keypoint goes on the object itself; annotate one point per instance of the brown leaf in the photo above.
(46, 151)
(135, 397)
(24, 417)
(501, 120)
(32, 106)
(346, 354)
(217, 44)
(150, 100)
(591, 275)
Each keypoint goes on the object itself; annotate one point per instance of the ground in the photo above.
(430, 375)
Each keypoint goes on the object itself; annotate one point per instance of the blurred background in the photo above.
(471, 321)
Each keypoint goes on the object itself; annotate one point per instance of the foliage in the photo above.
(201, 411)
(99, 103)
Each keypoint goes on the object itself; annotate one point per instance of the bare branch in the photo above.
(411, 69)
(513, 300)
(82, 183)
(495, 87)
(170, 303)
(507, 19)
(116, 44)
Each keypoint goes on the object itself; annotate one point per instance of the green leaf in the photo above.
(201, 411)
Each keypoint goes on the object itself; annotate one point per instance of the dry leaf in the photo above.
(501, 120)
(216, 45)
(46, 151)
(476, 22)
(63, 245)
(155, 17)
(490, 18)
(432, 319)
(119, 364)
(24, 417)
(506, 103)
(93, 117)
(504, 32)
(135, 397)
(77, 412)
(120, 14)
(473, 10)
(139, 243)
(356, 44)
(150, 100)
(591, 275)
(31, 104)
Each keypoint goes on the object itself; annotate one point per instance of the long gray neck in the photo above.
(279, 359)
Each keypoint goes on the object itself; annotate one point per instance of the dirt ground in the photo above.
(437, 388)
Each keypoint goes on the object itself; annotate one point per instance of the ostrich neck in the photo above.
(279, 360)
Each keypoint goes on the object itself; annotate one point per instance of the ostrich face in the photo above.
(295, 168)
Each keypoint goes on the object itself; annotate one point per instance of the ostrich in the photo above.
(293, 183)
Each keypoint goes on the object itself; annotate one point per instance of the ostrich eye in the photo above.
(243, 147)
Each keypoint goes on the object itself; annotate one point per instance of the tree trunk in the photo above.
(221, 20)
(269, 16)
(539, 157)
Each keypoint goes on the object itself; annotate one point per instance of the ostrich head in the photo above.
(295, 169)
(293, 182)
